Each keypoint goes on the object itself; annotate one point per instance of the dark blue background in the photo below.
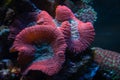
(107, 26)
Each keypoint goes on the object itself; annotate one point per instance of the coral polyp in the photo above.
(29, 43)
(44, 18)
(78, 35)
(86, 14)
(63, 13)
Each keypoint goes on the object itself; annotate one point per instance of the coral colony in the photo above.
(45, 46)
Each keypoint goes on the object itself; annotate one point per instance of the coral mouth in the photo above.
(43, 51)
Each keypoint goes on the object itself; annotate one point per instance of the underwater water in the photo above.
(108, 24)
(84, 40)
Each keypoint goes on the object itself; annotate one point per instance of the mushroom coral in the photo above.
(78, 35)
(29, 19)
(44, 18)
(26, 41)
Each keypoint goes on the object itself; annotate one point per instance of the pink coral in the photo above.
(29, 19)
(63, 13)
(78, 35)
(45, 19)
(25, 44)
